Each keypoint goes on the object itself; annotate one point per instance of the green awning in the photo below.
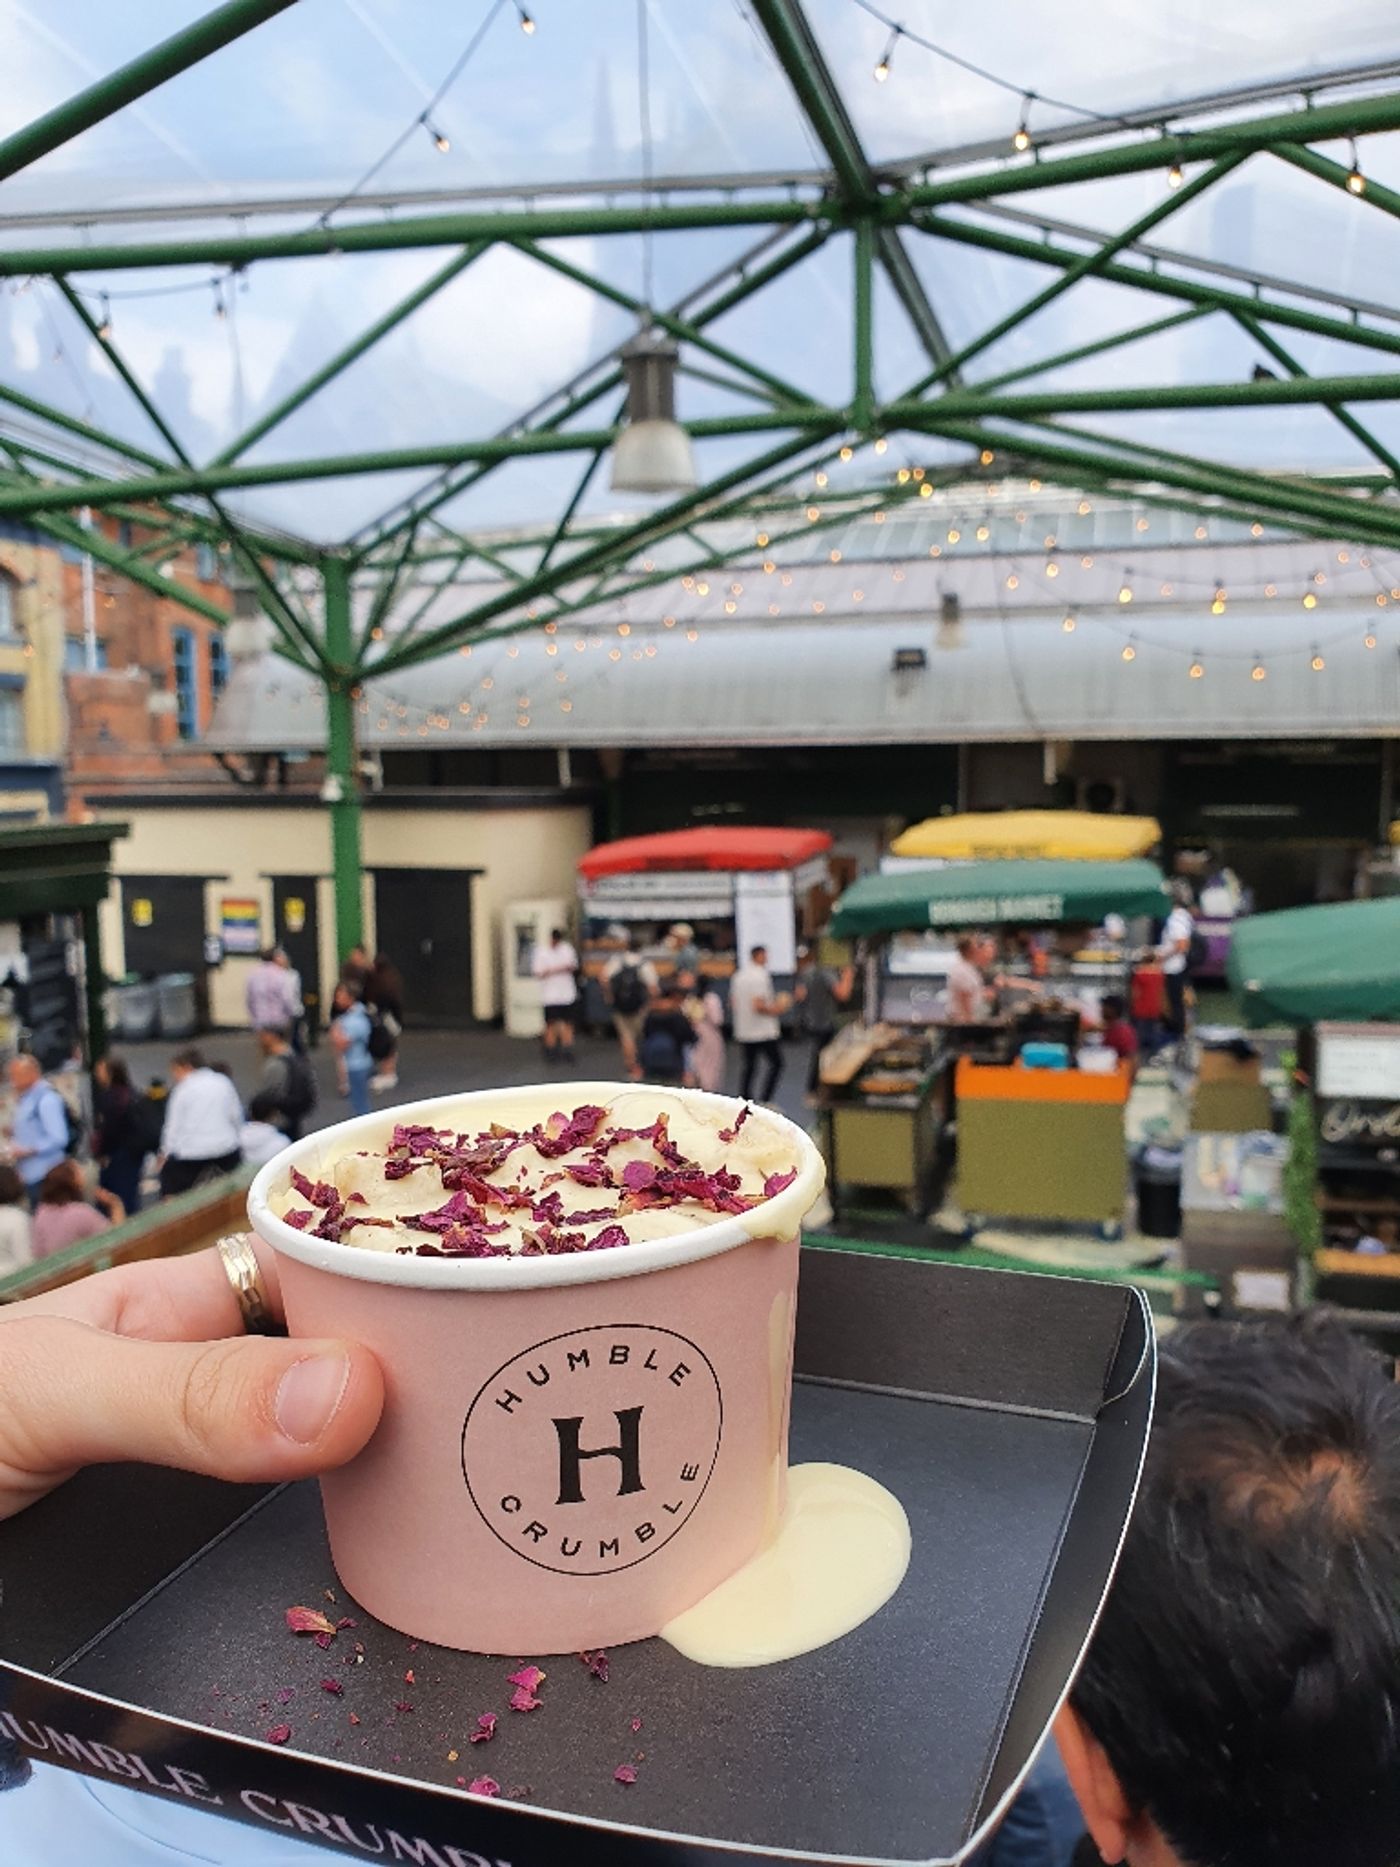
(987, 894)
(1341, 960)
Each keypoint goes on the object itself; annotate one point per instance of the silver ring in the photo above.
(241, 1268)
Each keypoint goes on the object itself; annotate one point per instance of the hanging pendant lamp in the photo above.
(652, 454)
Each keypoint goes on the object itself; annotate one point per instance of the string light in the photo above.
(814, 513)
(1013, 582)
(1070, 622)
(1197, 669)
(1021, 141)
(1175, 176)
(1052, 569)
(1084, 508)
(1258, 672)
(986, 456)
(821, 479)
(926, 490)
(1356, 181)
(692, 635)
(845, 453)
(1142, 524)
(1129, 652)
(441, 142)
(1318, 664)
(1217, 602)
(882, 68)
(1309, 600)
(104, 329)
(983, 534)
(1125, 590)
(1368, 640)
(761, 539)
(880, 444)
(953, 534)
(527, 25)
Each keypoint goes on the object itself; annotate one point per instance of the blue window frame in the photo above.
(218, 665)
(186, 682)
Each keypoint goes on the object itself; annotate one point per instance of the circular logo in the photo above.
(588, 1452)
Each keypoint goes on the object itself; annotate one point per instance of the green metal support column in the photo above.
(863, 402)
(94, 980)
(342, 763)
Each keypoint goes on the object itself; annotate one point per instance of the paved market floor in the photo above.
(438, 1063)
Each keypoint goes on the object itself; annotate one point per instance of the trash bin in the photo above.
(136, 1009)
(178, 1014)
(1158, 1186)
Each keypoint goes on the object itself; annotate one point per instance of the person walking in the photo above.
(555, 965)
(289, 1082)
(629, 984)
(64, 1215)
(300, 1036)
(39, 1134)
(350, 1033)
(821, 992)
(384, 1001)
(1174, 952)
(754, 1011)
(668, 1037)
(705, 1010)
(202, 1118)
(268, 994)
(119, 1135)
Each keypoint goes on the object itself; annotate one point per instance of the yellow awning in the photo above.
(1066, 835)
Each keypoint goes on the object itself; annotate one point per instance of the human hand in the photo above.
(150, 1362)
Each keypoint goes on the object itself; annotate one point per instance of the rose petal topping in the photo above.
(279, 1734)
(309, 1621)
(483, 1786)
(625, 1773)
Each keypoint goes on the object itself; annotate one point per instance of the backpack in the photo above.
(1198, 952)
(660, 1055)
(381, 1039)
(629, 990)
(77, 1128)
(302, 1091)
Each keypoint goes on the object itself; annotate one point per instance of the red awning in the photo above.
(737, 847)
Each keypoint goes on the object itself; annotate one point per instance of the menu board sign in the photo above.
(1359, 1062)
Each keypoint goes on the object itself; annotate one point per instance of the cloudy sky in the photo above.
(305, 104)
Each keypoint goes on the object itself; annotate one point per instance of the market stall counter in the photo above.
(1042, 1144)
(882, 1110)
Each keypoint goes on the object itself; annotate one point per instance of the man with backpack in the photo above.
(1177, 953)
(288, 1081)
(40, 1134)
(668, 1037)
(630, 984)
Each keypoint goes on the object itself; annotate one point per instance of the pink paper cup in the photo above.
(573, 1450)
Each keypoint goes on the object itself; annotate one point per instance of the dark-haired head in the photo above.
(62, 1185)
(1240, 1702)
(1112, 1008)
(263, 1107)
(11, 1185)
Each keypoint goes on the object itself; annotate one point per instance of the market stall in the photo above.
(1338, 960)
(735, 888)
(1039, 1121)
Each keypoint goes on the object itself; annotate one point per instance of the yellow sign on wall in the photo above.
(142, 912)
(294, 914)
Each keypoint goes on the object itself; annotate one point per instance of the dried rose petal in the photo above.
(408, 1677)
(309, 1621)
(638, 1174)
(531, 1677)
(485, 1728)
(279, 1734)
(636, 1724)
(300, 1219)
(319, 1192)
(523, 1700)
(483, 1786)
(286, 1695)
(461, 1782)
(624, 1773)
(597, 1664)
(732, 1133)
(775, 1183)
(324, 1640)
(354, 1717)
(562, 1134)
(608, 1239)
(402, 1704)
(590, 1173)
(334, 1686)
(344, 1622)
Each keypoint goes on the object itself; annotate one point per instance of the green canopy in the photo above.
(1341, 960)
(984, 894)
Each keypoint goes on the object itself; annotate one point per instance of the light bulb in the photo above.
(1318, 664)
(1129, 652)
(1196, 670)
(882, 68)
(1052, 569)
(527, 25)
(1217, 603)
(1013, 581)
(821, 479)
(953, 535)
(926, 491)
(1125, 593)
(987, 456)
(881, 444)
(1258, 672)
(1356, 181)
(1369, 640)
(104, 329)
(1309, 601)
(845, 453)
(983, 534)
(1174, 176)
(441, 142)
(1021, 141)
(814, 513)
(1084, 508)
(1068, 624)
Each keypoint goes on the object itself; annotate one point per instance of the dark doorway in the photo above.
(297, 929)
(163, 929)
(423, 921)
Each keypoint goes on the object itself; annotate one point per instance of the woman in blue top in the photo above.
(350, 1029)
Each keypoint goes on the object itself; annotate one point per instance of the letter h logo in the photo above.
(627, 1452)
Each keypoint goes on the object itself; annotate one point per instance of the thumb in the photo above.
(250, 1408)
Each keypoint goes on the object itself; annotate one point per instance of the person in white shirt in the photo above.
(203, 1116)
(16, 1243)
(754, 1011)
(966, 989)
(555, 966)
(1174, 952)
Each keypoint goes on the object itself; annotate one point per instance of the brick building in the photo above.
(140, 684)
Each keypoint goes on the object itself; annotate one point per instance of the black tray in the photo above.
(1007, 1412)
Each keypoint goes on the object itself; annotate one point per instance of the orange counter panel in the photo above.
(991, 1082)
